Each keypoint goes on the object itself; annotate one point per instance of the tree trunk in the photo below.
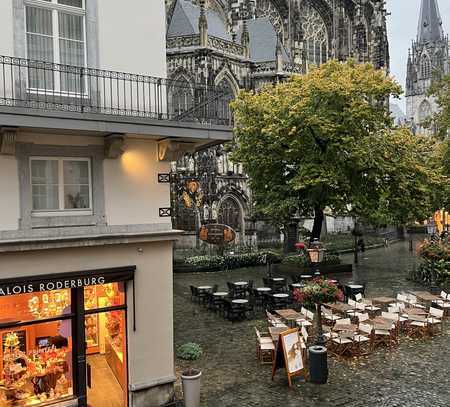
(318, 222)
(290, 237)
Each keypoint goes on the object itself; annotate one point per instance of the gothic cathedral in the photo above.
(428, 59)
(235, 44)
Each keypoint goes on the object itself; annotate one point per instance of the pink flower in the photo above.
(300, 246)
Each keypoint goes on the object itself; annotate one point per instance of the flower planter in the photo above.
(191, 387)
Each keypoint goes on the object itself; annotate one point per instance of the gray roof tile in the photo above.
(185, 21)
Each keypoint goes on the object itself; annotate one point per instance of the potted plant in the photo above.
(190, 377)
(315, 293)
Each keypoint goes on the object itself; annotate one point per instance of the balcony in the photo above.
(40, 88)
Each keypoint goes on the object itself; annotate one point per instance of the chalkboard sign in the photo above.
(289, 355)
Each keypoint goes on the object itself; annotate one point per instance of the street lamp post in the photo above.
(434, 289)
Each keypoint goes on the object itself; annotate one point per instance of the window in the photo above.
(55, 32)
(61, 185)
(315, 34)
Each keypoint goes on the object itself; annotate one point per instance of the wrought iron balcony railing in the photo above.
(47, 86)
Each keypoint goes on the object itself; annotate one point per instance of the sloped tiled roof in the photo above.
(185, 21)
(263, 40)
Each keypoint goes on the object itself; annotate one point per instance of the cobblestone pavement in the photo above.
(415, 374)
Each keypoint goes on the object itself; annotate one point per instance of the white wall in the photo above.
(132, 193)
(9, 196)
(132, 36)
(6, 28)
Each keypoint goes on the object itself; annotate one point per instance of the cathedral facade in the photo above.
(428, 59)
(244, 44)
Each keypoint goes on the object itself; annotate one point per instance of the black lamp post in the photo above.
(316, 253)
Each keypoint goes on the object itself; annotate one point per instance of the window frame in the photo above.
(55, 8)
(62, 211)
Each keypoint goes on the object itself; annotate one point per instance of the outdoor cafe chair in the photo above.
(342, 344)
(443, 302)
(194, 293)
(417, 327)
(362, 316)
(265, 348)
(329, 317)
(384, 336)
(435, 319)
(275, 321)
(396, 318)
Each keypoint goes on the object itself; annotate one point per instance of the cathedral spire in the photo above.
(203, 25)
(430, 22)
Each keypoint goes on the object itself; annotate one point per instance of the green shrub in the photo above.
(296, 260)
(229, 262)
(189, 351)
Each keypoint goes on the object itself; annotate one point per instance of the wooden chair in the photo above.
(329, 317)
(275, 321)
(435, 320)
(444, 303)
(362, 344)
(265, 348)
(384, 336)
(417, 327)
(343, 344)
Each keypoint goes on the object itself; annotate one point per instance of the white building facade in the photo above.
(87, 133)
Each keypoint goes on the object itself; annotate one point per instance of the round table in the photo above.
(355, 286)
(305, 276)
(278, 279)
(241, 283)
(239, 301)
(297, 285)
(281, 295)
(220, 293)
(264, 289)
(204, 287)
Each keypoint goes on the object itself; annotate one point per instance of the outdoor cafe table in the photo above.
(204, 288)
(415, 312)
(382, 300)
(425, 296)
(339, 307)
(345, 328)
(289, 314)
(275, 332)
(241, 283)
(380, 323)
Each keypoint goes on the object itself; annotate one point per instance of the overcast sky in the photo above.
(402, 28)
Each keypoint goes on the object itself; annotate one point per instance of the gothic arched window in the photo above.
(182, 96)
(425, 67)
(225, 97)
(230, 214)
(315, 35)
(424, 111)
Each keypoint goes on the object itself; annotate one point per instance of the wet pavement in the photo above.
(416, 373)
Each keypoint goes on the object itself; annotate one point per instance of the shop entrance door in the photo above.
(106, 359)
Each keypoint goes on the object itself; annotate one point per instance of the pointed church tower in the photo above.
(428, 58)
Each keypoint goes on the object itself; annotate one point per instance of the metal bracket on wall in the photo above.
(165, 212)
(164, 178)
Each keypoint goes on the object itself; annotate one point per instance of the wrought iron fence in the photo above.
(45, 85)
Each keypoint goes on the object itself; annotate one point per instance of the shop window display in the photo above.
(40, 355)
(36, 364)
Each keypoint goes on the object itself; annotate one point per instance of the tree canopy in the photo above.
(440, 121)
(326, 140)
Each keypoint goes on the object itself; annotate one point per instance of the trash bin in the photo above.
(318, 365)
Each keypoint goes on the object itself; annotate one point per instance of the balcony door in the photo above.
(55, 33)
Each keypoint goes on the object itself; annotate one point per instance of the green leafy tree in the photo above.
(440, 121)
(326, 140)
